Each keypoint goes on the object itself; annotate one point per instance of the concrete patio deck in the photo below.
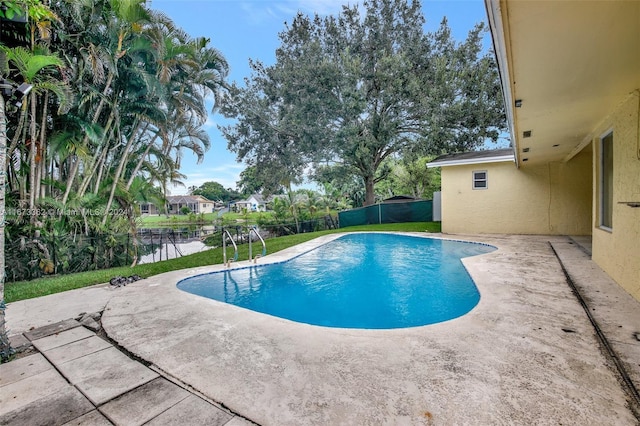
(527, 353)
(77, 378)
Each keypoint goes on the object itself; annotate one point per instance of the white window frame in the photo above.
(608, 224)
(475, 180)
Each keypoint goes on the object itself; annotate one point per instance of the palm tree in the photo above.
(147, 113)
(189, 70)
(141, 87)
(5, 347)
(311, 201)
(165, 173)
(140, 191)
(121, 21)
(32, 67)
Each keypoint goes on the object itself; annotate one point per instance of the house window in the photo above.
(606, 182)
(480, 179)
(144, 208)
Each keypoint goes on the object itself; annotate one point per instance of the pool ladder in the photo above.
(264, 246)
(225, 233)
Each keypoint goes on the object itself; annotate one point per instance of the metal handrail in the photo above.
(224, 247)
(264, 246)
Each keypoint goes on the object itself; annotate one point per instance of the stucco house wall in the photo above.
(567, 99)
(254, 203)
(617, 251)
(553, 198)
(205, 206)
(196, 203)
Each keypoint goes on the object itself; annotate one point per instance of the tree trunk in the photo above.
(20, 160)
(87, 178)
(101, 163)
(32, 156)
(42, 175)
(41, 163)
(50, 165)
(72, 173)
(139, 165)
(16, 136)
(116, 177)
(96, 115)
(164, 194)
(5, 347)
(292, 205)
(370, 195)
(134, 234)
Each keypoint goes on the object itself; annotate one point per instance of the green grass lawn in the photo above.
(251, 217)
(50, 285)
(162, 220)
(207, 218)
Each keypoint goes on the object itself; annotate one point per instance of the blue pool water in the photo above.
(368, 280)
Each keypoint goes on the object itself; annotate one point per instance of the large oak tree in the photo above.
(354, 89)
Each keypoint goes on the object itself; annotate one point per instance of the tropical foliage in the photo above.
(119, 96)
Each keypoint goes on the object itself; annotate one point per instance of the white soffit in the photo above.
(569, 63)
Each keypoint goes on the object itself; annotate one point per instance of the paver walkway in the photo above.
(78, 378)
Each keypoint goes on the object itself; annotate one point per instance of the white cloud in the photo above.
(321, 7)
(256, 13)
(210, 123)
(259, 11)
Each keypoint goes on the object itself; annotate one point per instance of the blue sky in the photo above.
(243, 29)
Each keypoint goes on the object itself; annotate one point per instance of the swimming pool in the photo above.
(365, 280)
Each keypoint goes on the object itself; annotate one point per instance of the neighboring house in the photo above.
(150, 209)
(195, 203)
(255, 203)
(570, 74)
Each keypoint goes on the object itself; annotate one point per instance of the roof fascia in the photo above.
(466, 161)
(500, 37)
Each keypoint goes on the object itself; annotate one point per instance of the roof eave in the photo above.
(499, 38)
(497, 159)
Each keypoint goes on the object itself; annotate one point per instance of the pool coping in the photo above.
(304, 248)
(486, 366)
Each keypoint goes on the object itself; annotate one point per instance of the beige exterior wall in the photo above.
(205, 207)
(560, 198)
(552, 198)
(618, 251)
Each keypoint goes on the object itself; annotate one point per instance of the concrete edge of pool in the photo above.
(356, 314)
(506, 361)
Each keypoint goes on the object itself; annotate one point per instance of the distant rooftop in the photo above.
(174, 199)
(473, 157)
